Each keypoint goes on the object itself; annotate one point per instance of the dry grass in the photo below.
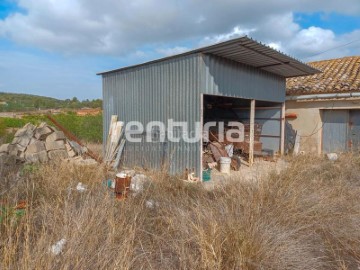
(305, 218)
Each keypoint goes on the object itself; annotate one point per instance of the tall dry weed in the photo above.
(306, 217)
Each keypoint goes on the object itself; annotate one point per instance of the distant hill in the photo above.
(10, 102)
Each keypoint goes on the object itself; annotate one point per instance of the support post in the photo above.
(252, 132)
(282, 135)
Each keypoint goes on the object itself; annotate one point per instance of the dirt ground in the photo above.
(260, 169)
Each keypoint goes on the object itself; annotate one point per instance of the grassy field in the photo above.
(306, 217)
(87, 128)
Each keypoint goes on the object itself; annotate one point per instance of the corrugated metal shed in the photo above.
(156, 92)
(172, 88)
(248, 51)
(221, 76)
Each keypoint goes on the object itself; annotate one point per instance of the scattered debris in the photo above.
(151, 204)
(192, 178)
(41, 143)
(115, 143)
(212, 165)
(332, 156)
(58, 247)
(138, 182)
(81, 187)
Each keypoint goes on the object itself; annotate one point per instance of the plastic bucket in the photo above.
(225, 165)
(206, 175)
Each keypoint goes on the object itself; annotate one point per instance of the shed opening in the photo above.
(241, 129)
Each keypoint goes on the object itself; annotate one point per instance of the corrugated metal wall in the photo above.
(157, 92)
(171, 90)
(221, 76)
(224, 77)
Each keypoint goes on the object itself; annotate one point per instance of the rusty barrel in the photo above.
(122, 183)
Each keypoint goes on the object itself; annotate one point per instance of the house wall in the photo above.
(309, 122)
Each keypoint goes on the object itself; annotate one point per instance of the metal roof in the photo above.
(250, 52)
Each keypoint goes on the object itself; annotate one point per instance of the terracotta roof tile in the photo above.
(339, 75)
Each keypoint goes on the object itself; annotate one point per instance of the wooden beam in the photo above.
(252, 132)
(257, 108)
(282, 134)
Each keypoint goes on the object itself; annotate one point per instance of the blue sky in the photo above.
(55, 48)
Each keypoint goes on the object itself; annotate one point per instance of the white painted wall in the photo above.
(309, 123)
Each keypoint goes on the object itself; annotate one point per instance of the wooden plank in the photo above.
(282, 134)
(215, 151)
(252, 132)
(218, 151)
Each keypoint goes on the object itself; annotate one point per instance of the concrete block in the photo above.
(22, 140)
(78, 149)
(55, 136)
(36, 147)
(4, 148)
(41, 156)
(42, 132)
(70, 151)
(44, 124)
(32, 158)
(15, 149)
(27, 130)
(57, 154)
(55, 145)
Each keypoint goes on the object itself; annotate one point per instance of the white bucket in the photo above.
(225, 165)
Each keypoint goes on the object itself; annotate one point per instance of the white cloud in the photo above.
(275, 45)
(237, 31)
(313, 40)
(172, 51)
(120, 27)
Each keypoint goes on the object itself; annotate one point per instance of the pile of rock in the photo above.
(40, 144)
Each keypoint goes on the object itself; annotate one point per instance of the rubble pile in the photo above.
(40, 144)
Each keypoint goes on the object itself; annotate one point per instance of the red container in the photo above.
(122, 183)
